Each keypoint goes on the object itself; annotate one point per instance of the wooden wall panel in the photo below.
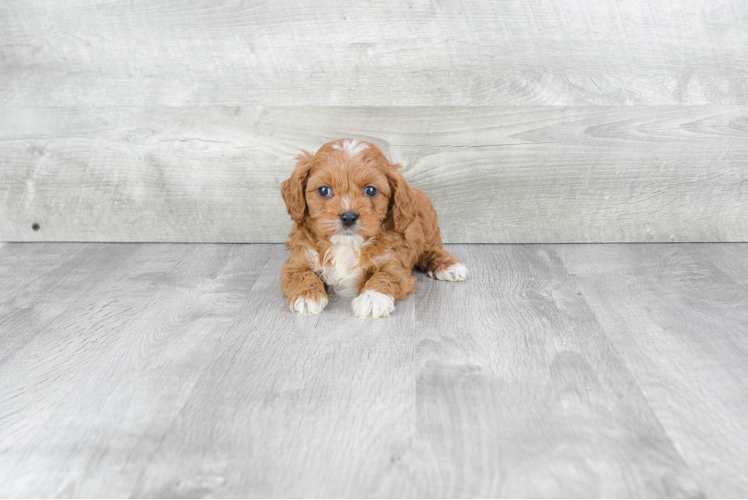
(500, 174)
(556, 120)
(387, 53)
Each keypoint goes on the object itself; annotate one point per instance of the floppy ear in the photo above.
(403, 204)
(292, 189)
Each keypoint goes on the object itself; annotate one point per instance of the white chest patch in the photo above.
(342, 271)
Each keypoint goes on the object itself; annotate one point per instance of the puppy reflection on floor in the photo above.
(359, 229)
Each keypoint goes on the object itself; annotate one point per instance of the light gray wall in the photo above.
(547, 121)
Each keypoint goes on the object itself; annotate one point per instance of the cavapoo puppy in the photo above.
(359, 229)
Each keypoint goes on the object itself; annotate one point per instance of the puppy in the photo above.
(359, 229)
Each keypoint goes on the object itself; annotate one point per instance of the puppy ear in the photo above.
(403, 204)
(292, 189)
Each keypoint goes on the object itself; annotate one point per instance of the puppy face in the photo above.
(348, 188)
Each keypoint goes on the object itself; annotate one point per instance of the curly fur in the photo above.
(396, 231)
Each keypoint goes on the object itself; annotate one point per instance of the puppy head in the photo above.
(348, 188)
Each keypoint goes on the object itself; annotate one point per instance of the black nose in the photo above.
(348, 218)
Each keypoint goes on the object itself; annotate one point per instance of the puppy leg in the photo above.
(382, 289)
(442, 265)
(436, 261)
(305, 291)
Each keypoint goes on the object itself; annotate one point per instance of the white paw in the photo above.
(455, 272)
(309, 306)
(373, 304)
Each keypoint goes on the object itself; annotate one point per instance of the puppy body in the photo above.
(359, 229)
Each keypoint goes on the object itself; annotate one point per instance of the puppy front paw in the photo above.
(308, 302)
(455, 272)
(373, 304)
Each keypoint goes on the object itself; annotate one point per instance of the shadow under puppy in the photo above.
(359, 229)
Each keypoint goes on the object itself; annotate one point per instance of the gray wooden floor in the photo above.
(556, 370)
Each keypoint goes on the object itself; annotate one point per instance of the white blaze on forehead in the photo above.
(350, 146)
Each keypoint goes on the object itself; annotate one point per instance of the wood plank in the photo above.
(40, 282)
(293, 406)
(731, 260)
(554, 52)
(182, 374)
(520, 393)
(85, 403)
(535, 174)
(679, 323)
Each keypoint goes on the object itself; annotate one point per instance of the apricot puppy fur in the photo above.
(359, 229)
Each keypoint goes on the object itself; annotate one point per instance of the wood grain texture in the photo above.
(535, 174)
(88, 398)
(557, 121)
(680, 323)
(40, 285)
(551, 52)
(732, 260)
(292, 406)
(520, 393)
(576, 370)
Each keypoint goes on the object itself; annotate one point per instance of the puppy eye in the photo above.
(370, 191)
(324, 191)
